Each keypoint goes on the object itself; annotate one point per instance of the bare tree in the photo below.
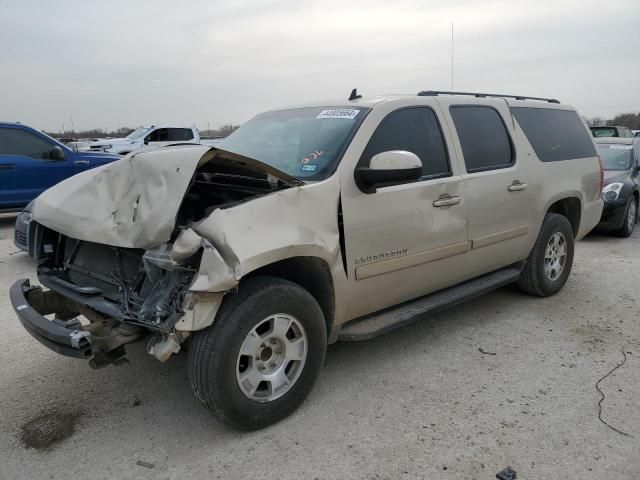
(631, 120)
(596, 122)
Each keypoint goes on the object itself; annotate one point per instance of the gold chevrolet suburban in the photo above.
(307, 226)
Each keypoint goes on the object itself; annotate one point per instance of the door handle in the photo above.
(81, 162)
(7, 166)
(517, 186)
(447, 201)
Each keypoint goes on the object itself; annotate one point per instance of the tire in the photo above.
(536, 278)
(627, 224)
(216, 364)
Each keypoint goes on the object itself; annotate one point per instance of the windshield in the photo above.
(137, 133)
(306, 143)
(604, 132)
(615, 157)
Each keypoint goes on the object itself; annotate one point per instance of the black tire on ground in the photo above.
(213, 354)
(626, 231)
(533, 279)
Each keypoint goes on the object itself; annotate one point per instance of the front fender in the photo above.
(297, 222)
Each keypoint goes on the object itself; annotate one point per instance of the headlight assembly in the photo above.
(612, 191)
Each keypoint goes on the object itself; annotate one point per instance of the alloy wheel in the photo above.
(555, 256)
(271, 358)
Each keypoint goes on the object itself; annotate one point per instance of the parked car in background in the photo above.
(31, 162)
(309, 225)
(153, 136)
(636, 133)
(612, 131)
(621, 160)
(79, 146)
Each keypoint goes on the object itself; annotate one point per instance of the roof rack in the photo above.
(435, 93)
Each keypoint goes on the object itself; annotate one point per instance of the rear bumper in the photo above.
(70, 342)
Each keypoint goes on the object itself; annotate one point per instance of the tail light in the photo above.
(601, 172)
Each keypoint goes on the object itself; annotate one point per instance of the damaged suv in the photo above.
(307, 226)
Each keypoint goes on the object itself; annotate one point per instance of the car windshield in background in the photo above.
(615, 156)
(137, 133)
(604, 132)
(306, 143)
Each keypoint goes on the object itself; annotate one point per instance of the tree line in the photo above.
(223, 131)
(631, 120)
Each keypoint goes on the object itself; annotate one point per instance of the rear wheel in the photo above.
(630, 218)
(550, 261)
(261, 357)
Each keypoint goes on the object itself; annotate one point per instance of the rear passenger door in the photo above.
(497, 184)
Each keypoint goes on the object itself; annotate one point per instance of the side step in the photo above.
(384, 321)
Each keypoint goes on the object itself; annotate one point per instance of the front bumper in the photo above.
(613, 214)
(54, 334)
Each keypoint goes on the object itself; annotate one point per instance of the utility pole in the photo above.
(452, 56)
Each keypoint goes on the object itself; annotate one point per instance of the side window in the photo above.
(159, 135)
(180, 134)
(483, 137)
(14, 141)
(555, 134)
(414, 130)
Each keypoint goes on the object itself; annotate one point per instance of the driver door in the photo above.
(407, 240)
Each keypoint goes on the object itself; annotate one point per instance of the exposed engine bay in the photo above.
(221, 186)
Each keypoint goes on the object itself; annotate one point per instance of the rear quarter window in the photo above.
(554, 134)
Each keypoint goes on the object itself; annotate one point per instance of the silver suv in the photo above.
(307, 226)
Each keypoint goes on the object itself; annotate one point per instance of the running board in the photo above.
(384, 321)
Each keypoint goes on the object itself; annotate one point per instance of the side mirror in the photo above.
(389, 168)
(146, 140)
(57, 153)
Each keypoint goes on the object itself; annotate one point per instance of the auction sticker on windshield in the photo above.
(347, 113)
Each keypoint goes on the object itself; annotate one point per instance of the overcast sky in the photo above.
(127, 63)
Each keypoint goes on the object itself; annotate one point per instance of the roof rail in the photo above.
(435, 93)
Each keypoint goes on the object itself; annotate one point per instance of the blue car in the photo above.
(31, 162)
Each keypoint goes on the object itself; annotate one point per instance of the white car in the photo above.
(80, 146)
(153, 136)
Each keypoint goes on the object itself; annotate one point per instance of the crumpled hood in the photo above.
(133, 202)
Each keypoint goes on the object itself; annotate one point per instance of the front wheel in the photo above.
(630, 218)
(261, 357)
(550, 261)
